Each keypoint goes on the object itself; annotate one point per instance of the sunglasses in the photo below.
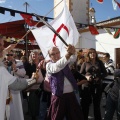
(9, 54)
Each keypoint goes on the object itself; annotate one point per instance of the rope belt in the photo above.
(8, 100)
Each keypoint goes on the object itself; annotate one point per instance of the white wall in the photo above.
(78, 8)
(104, 42)
(80, 11)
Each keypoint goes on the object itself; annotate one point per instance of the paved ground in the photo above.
(102, 109)
(27, 117)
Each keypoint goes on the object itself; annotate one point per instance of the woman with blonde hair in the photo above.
(34, 91)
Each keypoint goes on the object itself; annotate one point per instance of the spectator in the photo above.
(109, 65)
(80, 59)
(95, 71)
(113, 98)
(34, 92)
(13, 63)
(45, 92)
(26, 66)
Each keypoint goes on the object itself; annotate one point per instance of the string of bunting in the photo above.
(81, 25)
(28, 16)
(94, 31)
(93, 28)
(13, 12)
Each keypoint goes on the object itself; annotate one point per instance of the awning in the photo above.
(22, 46)
(16, 29)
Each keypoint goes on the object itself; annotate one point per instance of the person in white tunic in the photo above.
(9, 82)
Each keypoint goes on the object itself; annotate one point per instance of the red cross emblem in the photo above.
(62, 26)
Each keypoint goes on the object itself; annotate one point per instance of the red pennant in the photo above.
(93, 30)
(28, 19)
(100, 1)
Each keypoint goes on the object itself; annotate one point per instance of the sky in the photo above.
(104, 11)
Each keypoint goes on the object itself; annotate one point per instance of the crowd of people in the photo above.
(61, 88)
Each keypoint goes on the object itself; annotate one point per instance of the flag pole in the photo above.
(26, 37)
(53, 8)
(49, 11)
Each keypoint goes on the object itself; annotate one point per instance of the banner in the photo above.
(65, 26)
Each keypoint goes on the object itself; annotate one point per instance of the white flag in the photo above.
(2, 1)
(114, 5)
(64, 25)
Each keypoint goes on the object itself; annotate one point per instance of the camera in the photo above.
(93, 76)
(93, 73)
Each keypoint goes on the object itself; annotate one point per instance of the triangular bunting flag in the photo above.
(12, 13)
(2, 11)
(117, 33)
(108, 30)
(28, 19)
(93, 30)
(114, 5)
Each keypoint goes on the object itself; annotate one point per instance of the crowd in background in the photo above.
(92, 75)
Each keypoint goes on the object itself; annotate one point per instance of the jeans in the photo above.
(77, 96)
(43, 109)
(91, 94)
(118, 113)
(111, 106)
